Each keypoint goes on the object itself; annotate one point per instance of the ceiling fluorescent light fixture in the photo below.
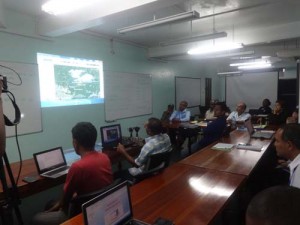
(194, 38)
(59, 7)
(170, 19)
(255, 66)
(230, 73)
(214, 48)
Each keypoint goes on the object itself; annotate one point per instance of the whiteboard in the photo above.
(188, 89)
(127, 95)
(27, 97)
(251, 88)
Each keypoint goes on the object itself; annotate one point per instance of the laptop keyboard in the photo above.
(57, 170)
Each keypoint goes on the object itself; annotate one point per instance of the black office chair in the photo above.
(155, 164)
(76, 203)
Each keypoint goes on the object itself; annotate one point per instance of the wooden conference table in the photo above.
(195, 190)
(236, 161)
(29, 169)
(183, 193)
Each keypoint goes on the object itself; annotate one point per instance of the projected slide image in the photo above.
(66, 81)
(76, 83)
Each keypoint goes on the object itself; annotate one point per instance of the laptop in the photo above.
(111, 136)
(266, 134)
(51, 163)
(112, 207)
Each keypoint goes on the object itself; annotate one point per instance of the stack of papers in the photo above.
(223, 146)
(250, 147)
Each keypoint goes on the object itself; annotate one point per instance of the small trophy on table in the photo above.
(137, 131)
(130, 129)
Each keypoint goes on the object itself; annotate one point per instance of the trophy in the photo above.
(137, 131)
(130, 129)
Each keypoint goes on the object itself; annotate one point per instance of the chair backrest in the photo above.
(76, 203)
(155, 164)
(159, 160)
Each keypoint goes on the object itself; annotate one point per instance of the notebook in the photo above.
(267, 134)
(51, 163)
(112, 207)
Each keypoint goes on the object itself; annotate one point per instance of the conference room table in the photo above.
(29, 169)
(182, 193)
(196, 189)
(238, 161)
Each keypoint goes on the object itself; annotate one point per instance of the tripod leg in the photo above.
(14, 195)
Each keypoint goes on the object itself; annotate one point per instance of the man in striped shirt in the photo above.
(156, 142)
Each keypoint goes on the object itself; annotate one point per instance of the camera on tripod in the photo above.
(4, 81)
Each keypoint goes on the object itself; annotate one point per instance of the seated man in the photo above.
(277, 205)
(182, 114)
(279, 115)
(209, 114)
(167, 114)
(156, 143)
(91, 173)
(287, 144)
(214, 129)
(238, 117)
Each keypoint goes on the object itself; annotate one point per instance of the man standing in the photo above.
(182, 114)
(155, 143)
(91, 173)
(287, 143)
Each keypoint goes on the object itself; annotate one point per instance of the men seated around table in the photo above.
(209, 115)
(287, 144)
(156, 142)
(214, 129)
(180, 115)
(167, 114)
(278, 205)
(265, 108)
(238, 117)
(91, 173)
(279, 114)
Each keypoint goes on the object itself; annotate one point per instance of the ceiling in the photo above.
(264, 27)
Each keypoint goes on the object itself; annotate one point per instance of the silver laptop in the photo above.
(265, 134)
(112, 207)
(51, 163)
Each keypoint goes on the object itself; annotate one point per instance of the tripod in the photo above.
(11, 198)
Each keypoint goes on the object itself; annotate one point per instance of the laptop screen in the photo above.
(49, 159)
(111, 135)
(110, 208)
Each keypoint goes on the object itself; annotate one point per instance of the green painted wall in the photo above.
(57, 122)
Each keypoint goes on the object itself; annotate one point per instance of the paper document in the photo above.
(223, 146)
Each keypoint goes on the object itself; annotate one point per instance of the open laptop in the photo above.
(111, 136)
(112, 207)
(51, 163)
(266, 134)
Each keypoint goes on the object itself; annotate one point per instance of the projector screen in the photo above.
(66, 81)
(251, 88)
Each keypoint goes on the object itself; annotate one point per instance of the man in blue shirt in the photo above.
(182, 114)
(214, 129)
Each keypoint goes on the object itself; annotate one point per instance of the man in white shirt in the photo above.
(182, 114)
(287, 143)
(238, 116)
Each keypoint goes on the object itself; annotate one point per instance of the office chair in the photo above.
(76, 203)
(155, 164)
